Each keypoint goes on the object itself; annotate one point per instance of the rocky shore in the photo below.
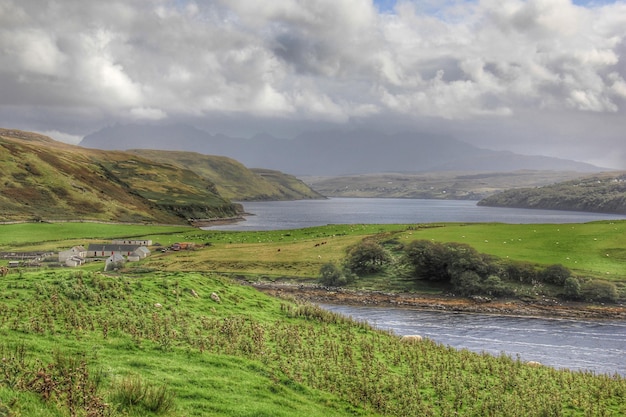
(511, 307)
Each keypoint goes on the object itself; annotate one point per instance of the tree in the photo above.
(366, 257)
(555, 274)
(427, 260)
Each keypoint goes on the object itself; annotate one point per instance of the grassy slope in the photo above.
(232, 179)
(46, 179)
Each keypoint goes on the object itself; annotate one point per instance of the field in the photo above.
(595, 249)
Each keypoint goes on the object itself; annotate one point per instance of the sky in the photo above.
(530, 76)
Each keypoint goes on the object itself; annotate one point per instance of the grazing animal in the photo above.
(158, 305)
(4, 271)
(411, 338)
(215, 297)
(534, 364)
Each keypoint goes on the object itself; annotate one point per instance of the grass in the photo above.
(102, 340)
(594, 249)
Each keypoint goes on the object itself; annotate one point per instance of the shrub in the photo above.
(572, 289)
(333, 276)
(467, 283)
(555, 274)
(366, 257)
(520, 271)
(598, 290)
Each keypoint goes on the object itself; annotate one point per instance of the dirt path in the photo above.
(540, 308)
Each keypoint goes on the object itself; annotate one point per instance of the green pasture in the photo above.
(55, 236)
(595, 249)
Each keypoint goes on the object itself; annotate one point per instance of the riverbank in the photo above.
(549, 308)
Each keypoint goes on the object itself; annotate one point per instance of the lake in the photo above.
(283, 215)
(598, 346)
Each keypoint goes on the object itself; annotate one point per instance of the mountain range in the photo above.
(331, 153)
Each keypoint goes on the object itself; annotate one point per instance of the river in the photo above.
(598, 346)
(283, 215)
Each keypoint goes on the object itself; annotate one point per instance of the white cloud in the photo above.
(336, 61)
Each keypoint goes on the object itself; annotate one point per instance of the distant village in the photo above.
(115, 254)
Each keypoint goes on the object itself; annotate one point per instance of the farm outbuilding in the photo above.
(79, 251)
(114, 261)
(98, 250)
(131, 242)
(74, 261)
(140, 253)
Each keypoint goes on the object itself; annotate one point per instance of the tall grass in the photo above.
(155, 359)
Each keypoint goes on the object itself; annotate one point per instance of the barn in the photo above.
(99, 250)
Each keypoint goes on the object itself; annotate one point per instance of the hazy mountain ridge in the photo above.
(602, 193)
(331, 153)
(435, 185)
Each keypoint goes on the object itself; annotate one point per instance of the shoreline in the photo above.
(547, 308)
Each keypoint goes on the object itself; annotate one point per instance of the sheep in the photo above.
(411, 338)
(534, 364)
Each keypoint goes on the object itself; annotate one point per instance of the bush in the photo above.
(521, 272)
(598, 290)
(572, 289)
(467, 283)
(366, 257)
(555, 274)
(331, 275)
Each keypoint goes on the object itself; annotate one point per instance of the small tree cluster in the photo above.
(366, 257)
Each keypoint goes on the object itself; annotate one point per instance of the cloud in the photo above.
(465, 63)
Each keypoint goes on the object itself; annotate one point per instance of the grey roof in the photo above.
(111, 248)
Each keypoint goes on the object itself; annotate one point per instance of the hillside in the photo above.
(331, 153)
(46, 180)
(601, 193)
(434, 185)
(232, 179)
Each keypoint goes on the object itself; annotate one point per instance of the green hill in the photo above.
(47, 180)
(601, 193)
(232, 179)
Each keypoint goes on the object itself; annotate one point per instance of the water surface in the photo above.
(598, 346)
(283, 215)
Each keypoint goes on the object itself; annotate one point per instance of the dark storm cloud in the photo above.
(533, 76)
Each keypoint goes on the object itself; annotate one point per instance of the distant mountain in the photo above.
(601, 193)
(331, 153)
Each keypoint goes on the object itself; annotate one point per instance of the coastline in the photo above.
(546, 308)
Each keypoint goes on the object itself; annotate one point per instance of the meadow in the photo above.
(81, 343)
